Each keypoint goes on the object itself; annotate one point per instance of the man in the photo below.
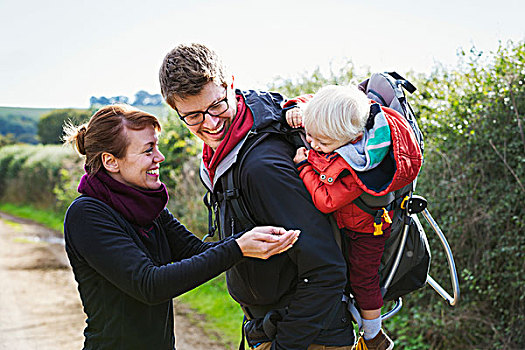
(292, 300)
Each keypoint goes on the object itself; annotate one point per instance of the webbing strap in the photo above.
(406, 84)
(212, 226)
(242, 345)
(362, 205)
(378, 96)
(233, 195)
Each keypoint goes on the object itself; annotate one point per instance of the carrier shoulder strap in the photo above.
(231, 189)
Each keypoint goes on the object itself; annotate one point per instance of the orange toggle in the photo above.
(403, 203)
(385, 216)
(378, 229)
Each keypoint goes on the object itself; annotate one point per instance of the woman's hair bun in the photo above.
(81, 134)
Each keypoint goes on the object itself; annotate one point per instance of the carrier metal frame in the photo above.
(417, 205)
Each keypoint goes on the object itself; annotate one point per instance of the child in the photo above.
(352, 137)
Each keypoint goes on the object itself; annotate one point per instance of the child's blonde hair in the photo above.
(337, 112)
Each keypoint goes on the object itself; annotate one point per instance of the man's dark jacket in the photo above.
(309, 278)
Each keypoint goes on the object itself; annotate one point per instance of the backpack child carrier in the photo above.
(406, 258)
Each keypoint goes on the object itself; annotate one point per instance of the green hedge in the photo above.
(473, 178)
(47, 176)
(32, 174)
(472, 116)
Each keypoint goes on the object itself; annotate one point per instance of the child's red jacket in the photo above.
(332, 192)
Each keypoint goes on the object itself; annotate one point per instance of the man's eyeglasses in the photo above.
(214, 110)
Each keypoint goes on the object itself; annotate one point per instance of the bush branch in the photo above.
(507, 165)
(520, 127)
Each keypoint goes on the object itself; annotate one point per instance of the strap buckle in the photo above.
(404, 202)
(378, 231)
(382, 214)
(231, 194)
(386, 216)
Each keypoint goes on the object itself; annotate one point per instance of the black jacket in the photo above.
(126, 288)
(309, 278)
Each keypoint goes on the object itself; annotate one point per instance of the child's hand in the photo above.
(300, 155)
(294, 117)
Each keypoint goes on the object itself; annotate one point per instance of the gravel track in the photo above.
(39, 303)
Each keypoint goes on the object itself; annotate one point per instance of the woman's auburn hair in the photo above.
(106, 132)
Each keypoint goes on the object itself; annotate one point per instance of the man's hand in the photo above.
(264, 241)
(300, 155)
(294, 117)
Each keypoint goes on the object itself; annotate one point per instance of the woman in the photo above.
(129, 255)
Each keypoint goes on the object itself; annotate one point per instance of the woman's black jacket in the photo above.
(126, 288)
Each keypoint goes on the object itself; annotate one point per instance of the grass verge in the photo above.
(48, 218)
(222, 315)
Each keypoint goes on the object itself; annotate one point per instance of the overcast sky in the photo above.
(60, 53)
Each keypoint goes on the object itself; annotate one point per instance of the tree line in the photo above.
(142, 98)
(17, 127)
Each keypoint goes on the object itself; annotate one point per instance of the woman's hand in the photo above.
(300, 155)
(264, 241)
(294, 117)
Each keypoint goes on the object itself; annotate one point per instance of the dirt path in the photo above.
(39, 304)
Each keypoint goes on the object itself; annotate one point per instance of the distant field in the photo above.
(35, 113)
(161, 112)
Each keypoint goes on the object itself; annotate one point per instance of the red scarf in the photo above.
(241, 124)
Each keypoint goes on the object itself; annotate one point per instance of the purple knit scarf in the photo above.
(139, 207)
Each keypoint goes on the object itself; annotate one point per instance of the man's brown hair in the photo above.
(186, 69)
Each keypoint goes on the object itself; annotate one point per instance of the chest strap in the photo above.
(378, 214)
